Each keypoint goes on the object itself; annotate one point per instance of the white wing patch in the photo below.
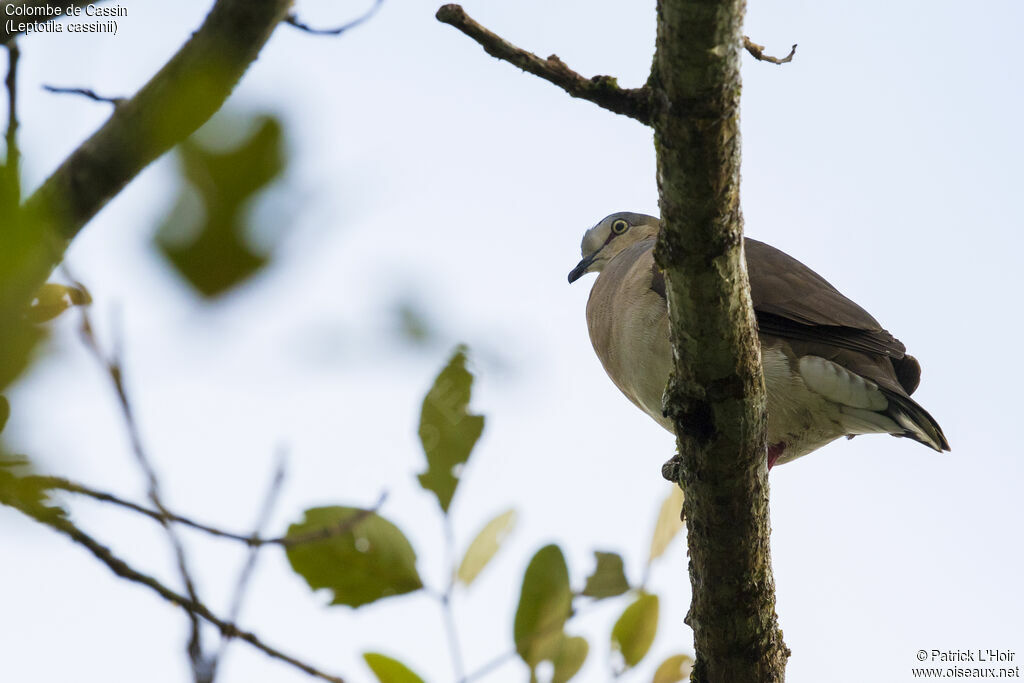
(839, 385)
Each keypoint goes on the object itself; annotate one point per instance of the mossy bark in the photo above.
(716, 396)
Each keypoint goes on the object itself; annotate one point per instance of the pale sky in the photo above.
(886, 156)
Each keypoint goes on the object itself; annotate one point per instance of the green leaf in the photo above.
(570, 658)
(388, 670)
(634, 632)
(485, 545)
(5, 412)
(365, 557)
(209, 245)
(674, 669)
(668, 525)
(609, 577)
(448, 431)
(544, 605)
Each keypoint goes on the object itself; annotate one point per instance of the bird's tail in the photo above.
(916, 422)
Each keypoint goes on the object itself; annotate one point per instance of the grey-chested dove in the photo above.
(830, 369)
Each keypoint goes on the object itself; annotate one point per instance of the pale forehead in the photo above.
(594, 238)
(630, 217)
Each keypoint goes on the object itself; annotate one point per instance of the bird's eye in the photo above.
(619, 226)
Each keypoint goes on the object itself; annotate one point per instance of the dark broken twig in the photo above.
(293, 20)
(757, 52)
(84, 92)
(13, 161)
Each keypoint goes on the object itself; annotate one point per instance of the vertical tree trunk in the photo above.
(716, 396)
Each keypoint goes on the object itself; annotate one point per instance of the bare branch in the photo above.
(448, 612)
(603, 91)
(12, 170)
(61, 484)
(245, 575)
(757, 51)
(293, 20)
(491, 666)
(115, 372)
(182, 96)
(192, 607)
(84, 92)
(324, 533)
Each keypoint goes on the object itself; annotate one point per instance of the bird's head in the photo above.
(604, 241)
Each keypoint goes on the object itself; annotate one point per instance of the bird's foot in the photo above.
(672, 469)
(774, 453)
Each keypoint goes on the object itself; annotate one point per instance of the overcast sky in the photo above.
(886, 156)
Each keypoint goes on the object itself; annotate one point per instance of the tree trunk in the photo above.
(716, 396)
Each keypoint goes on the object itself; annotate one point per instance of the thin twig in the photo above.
(757, 51)
(293, 20)
(511, 654)
(192, 607)
(445, 599)
(12, 173)
(603, 91)
(245, 575)
(116, 374)
(321, 534)
(84, 92)
(490, 666)
(339, 528)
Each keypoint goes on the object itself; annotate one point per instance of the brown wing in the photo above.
(793, 302)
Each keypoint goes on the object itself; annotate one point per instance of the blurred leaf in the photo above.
(634, 632)
(413, 325)
(388, 670)
(448, 431)
(364, 561)
(10, 192)
(485, 545)
(609, 577)
(572, 653)
(18, 339)
(544, 605)
(5, 412)
(674, 669)
(218, 255)
(53, 299)
(668, 525)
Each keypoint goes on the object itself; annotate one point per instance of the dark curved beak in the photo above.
(581, 267)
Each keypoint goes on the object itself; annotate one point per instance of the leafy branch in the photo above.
(171, 106)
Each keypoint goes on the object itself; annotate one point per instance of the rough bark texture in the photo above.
(717, 395)
(183, 95)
